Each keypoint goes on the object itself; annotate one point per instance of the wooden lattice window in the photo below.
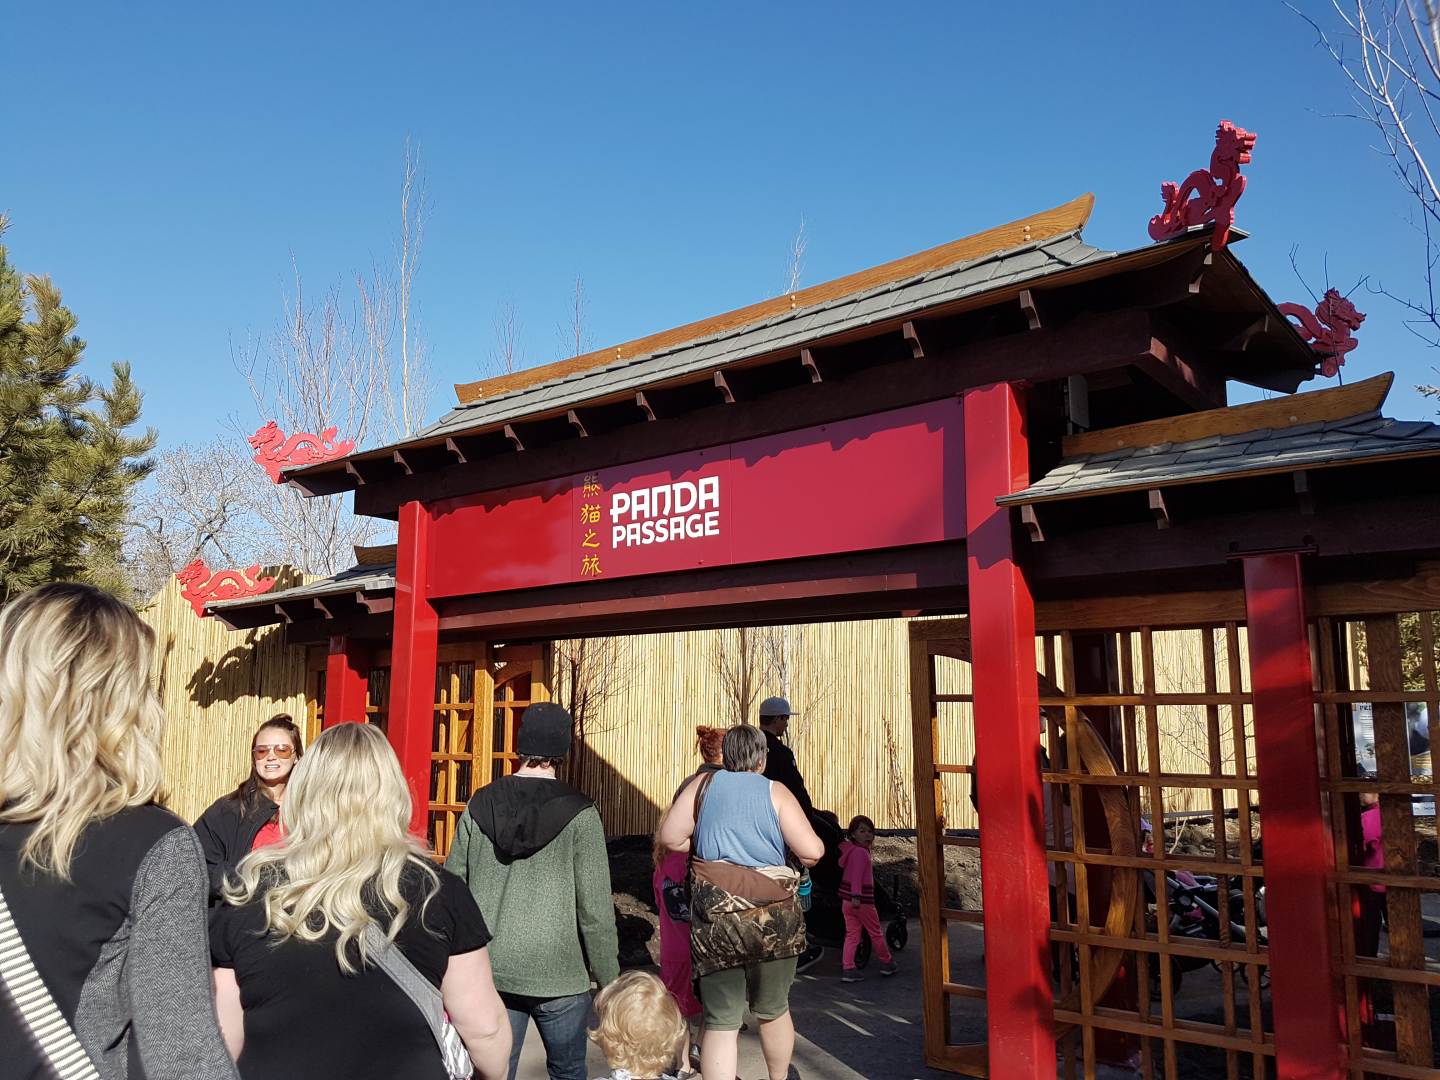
(1155, 725)
(1380, 708)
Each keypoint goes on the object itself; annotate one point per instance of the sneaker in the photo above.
(809, 958)
(852, 975)
(888, 968)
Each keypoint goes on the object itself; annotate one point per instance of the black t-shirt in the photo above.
(304, 1017)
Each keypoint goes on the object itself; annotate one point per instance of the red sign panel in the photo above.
(889, 480)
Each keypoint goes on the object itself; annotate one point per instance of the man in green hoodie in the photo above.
(532, 850)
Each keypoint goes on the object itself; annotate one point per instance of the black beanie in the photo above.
(545, 731)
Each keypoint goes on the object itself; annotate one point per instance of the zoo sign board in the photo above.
(891, 479)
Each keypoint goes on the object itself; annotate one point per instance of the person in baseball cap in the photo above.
(532, 850)
(775, 713)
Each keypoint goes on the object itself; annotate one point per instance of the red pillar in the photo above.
(1007, 743)
(347, 674)
(414, 645)
(1298, 850)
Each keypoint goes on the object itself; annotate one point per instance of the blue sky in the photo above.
(164, 163)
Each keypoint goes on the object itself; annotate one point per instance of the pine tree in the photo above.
(67, 466)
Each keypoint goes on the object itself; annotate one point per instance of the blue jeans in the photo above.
(561, 1022)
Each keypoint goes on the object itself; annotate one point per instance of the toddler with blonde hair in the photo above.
(640, 1028)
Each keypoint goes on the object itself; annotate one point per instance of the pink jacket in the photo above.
(857, 876)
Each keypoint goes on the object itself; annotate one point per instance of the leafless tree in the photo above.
(193, 507)
(742, 660)
(797, 258)
(574, 335)
(331, 361)
(505, 358)
(589, 676)
(1389, 53)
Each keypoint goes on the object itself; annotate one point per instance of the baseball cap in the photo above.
(775, 706)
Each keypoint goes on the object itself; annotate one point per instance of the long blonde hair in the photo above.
(345, 825)
(80, 724)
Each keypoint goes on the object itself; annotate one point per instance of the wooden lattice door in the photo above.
(1163, 744)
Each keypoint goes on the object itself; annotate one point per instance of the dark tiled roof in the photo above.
(356, 579)
(892, 300)
(1323, 444)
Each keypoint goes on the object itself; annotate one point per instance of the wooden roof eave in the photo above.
(1140, 258)
(1016, 501)
(1283, 329)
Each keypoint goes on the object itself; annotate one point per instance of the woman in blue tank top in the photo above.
(750, 821)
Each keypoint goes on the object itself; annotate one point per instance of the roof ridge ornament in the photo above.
(1207, 195)
(274, 452)
(1330, 328)
(200, 586)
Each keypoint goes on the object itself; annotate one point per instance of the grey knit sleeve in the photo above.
(167, 968)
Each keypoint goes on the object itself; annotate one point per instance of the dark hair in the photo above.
(248, 791)
(855, 823)
(542, 763)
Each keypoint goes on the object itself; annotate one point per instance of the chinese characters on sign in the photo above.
(590, 515)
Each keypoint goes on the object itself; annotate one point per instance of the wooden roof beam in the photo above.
(1031, 520)
(514, 437)
(722, 383)
(807, 361)
(577, 424)
(642, 401)
(1071, 217)
(1304, 498)
(1158, 508)
(1030, 309)
(461, 448)
(1291, 410)
(912, 337)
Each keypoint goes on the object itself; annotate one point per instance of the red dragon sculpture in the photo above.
(200, 586)
(276, 452)
(1330, 328)
(1207, 195)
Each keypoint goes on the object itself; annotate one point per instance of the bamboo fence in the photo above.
(848, 682)
(217, 686)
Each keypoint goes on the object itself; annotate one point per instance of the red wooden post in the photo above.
(1298, 848)
(1007, 743)
(414, 645)
(347, 674)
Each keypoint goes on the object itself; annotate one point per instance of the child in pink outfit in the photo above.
(857, 899)
(670, 899)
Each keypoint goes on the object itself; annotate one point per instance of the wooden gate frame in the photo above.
(951, 637)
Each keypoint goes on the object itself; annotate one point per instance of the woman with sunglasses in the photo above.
(249, 817)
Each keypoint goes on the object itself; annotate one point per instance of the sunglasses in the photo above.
(284, 751)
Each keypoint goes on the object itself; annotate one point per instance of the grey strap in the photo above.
(417, 987)
(37, 1008)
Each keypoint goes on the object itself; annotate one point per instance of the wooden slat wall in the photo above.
(849, 681)
(850, 684)
(217, 686)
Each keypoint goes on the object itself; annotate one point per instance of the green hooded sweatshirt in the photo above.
(533, 853)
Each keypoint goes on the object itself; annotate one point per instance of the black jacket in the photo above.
(780, 766)
(520, 815)
(227, 834)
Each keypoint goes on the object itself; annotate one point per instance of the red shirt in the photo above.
(269, 834)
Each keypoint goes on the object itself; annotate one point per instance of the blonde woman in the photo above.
(298, 990)
(106, 889)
